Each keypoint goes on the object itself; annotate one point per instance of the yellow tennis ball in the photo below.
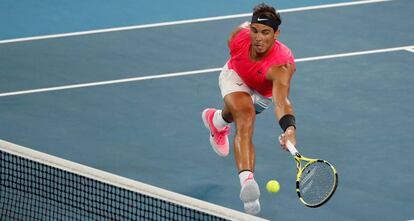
(273, 186)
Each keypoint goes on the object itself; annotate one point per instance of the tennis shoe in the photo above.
(249, 190)
(252, 207)
(218, 138)
(250, 194)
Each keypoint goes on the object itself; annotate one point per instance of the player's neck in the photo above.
(255, 56)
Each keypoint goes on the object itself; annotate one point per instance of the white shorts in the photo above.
(229, 82)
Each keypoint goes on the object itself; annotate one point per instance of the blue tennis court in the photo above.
(128, 100)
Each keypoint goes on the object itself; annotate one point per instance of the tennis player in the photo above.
(257, 75)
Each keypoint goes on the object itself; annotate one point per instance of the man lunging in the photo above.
(257, 74)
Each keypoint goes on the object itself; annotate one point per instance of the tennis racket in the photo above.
(316, 181)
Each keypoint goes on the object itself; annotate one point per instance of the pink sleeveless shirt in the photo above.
(253, 73)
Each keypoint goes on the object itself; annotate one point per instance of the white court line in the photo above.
(354, 53)
(410, 50)
(203, 71)
(184, 21)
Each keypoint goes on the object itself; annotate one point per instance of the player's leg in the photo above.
(217, 121)
(242, 110)
(237, 96)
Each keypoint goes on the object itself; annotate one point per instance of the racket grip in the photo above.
(292, 149)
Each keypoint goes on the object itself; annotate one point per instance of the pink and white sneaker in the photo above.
(218, 138)
(250, 190)
(249, 195)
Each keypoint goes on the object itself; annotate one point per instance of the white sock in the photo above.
(244, 175)
(218, 120)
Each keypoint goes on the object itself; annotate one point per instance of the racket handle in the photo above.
(292, 149)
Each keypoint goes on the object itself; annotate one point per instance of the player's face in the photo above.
(262, 37)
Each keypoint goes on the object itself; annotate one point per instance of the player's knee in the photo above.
(246, 112)
(246, 118)
(245, 124)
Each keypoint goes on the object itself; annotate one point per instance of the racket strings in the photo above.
(317, 182)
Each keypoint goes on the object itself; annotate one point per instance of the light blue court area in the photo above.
(32, 18)
(352, 94)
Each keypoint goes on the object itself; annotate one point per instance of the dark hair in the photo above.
(267, 11)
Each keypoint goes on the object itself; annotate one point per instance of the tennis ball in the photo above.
(273, 186)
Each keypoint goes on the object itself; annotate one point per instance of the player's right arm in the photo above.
(236, 30)
(281, 76)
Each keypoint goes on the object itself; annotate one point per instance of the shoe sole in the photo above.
(250, 192)
(211, 138)
(252, 207)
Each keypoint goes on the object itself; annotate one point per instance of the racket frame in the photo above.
(298, 158)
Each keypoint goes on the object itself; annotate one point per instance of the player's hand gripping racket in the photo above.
(316, 182)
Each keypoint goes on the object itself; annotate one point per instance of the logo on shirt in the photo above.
(240, 84)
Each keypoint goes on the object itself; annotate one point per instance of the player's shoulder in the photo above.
(239, 32)
(282, 48)
(245, 26)
(239, 36)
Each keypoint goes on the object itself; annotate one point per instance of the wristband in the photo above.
(287, 121)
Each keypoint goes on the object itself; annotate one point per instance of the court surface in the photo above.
(129, 101)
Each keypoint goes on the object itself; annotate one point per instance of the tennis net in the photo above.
(38, 186)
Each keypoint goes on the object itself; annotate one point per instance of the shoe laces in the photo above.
(250, 177)
(222, 134)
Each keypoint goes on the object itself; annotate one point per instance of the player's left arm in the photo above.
(281, 77)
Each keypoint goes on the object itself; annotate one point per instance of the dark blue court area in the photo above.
(124, 102)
